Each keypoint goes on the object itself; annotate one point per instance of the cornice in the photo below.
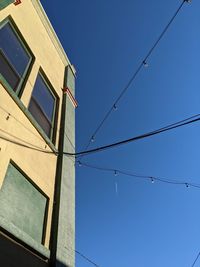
(52, 34)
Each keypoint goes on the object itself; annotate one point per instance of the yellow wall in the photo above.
(40, 167)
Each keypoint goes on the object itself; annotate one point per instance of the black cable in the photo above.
(195, 260)
(87, 259)
(122, 93)
(146, 177)
(143, 62)
(22, 124)
(169, 127)
(25, 144)
(98, 149)
(8, 114)
(80, 254)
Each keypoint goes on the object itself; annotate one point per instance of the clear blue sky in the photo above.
(145, 225)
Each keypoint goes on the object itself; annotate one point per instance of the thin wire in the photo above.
(181, 123)
(82, 255)
(28, 145)
(195, 260)
(87, 259)
(57, 130)
(11, 115)
(146, 177)
(143, 62)
(72, 145)
(97, 265)
(25, 144)
(128, 84)
(39, 138)
(169, 127)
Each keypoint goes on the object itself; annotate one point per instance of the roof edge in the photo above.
(52, 34)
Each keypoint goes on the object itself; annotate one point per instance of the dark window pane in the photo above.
(44, 97)
(8, 72)
(13, 49)
(39, 116)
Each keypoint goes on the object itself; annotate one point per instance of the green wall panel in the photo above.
(5, 3)
(22, 204)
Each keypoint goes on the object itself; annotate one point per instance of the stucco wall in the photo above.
(46, 55)
(40, 167)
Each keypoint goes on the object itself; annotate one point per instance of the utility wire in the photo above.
(87, 259)
(178, 124)
(146, 177)
(23, 143)
(195, 260)
(142, 63)
(8, 115)
(169, 127)
(71, 250)
(71, 254)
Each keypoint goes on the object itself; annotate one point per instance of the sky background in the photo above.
(144, 224)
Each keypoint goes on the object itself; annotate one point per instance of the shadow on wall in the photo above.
(60, 264)
(14, 255)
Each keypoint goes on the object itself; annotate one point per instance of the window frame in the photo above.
(11, 67)
(23, 79)
(52, 91)
(46, 210)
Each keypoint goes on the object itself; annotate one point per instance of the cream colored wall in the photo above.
(40, 167)
(37, 38)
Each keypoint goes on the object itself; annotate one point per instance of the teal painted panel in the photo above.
(5, 3)
(22, 204)
(70, 79)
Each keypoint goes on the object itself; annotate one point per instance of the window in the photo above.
(15, 59)
(43, 105)
(22, 204)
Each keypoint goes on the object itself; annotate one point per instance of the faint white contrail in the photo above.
(116, 188)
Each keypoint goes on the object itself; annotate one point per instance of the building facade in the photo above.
(37, 124)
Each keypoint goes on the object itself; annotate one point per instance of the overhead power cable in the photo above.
(20, 142)
(25, 144)
(87, 259)
(169, 127)
(8, 115)
(71, 254)
(144, 62)
(152, 179)
(196, 260)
